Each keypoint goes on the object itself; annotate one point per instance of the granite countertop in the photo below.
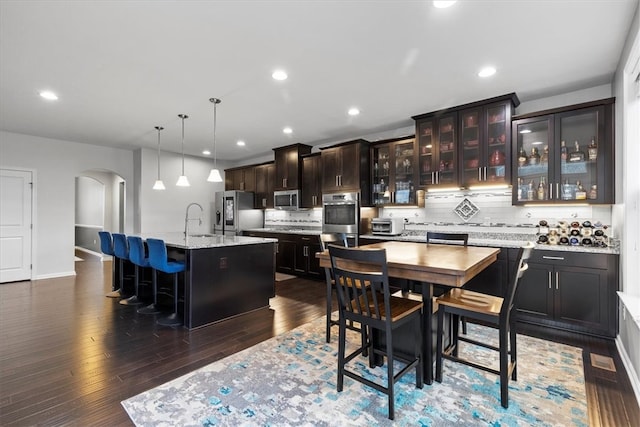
(304, 231)
(205, 240)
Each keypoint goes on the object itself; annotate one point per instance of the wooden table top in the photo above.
(450, 265)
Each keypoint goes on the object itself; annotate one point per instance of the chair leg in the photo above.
(464, 325)
(342, 326)
(513, 351)
(418, 352)
(133, 300)
(152, 308)
(173, 319)
(329, 300)
(390, 388)
(455, 323)
(504, 366)
(439, 349)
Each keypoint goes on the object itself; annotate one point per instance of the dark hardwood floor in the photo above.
(69, 355)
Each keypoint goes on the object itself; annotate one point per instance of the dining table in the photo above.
(429, 265)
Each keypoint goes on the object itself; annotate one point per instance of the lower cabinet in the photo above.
(570, 290)
(494, 279)
(295, 253)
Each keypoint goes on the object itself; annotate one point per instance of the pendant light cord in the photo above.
(215, 102)
(159, 128)
(183, 116)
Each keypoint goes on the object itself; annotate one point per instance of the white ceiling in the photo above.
(122, 67)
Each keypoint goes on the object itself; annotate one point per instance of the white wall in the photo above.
(626, 212)
(57, 163)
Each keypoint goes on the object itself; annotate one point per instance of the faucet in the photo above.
(187, 219)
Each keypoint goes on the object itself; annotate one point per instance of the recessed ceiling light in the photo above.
(287, 130)
(487, 72)
(240, 144)
(525, 131)
(353, 111)
(206, 152)
(47, 94)
(279, 75)
(443, 4)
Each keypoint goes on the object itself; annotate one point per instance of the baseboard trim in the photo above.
(90, 252)
(55, 275)
(631, 372)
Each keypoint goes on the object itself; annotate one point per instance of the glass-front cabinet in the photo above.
(565, 156)
(485, 135)
(438, 148)
(394, 166)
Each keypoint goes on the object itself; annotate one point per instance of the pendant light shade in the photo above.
(182, 179)
(158, 185)
(214, 175)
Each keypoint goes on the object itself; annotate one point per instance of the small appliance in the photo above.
(286, 200)
(387, 226)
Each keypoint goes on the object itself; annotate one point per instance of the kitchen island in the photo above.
(225, 275)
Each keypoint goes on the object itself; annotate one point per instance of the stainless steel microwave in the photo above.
(286, 200)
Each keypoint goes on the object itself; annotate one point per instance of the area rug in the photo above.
(290, 380)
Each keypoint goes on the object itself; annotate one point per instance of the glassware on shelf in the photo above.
(577, 155)
(593, 149)
(581, 194)
(522, 157)
(534, 157)
(563, 151)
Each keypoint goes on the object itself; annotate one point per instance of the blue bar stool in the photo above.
(160, 262)
(106, 246)
(121, 251)
(136, 256)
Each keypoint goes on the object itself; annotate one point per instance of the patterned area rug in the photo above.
(291, 380)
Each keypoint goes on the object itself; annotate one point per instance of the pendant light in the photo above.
(182, 179)
(159, 185)
(214, 175)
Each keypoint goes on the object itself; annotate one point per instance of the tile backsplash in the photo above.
(308, 218)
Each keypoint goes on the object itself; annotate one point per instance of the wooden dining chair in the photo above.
(362, 287)
(491, 310)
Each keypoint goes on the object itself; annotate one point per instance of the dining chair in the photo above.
(491, 310)
(159, 260)
(339, 239)
(362, 287)
(106, 246)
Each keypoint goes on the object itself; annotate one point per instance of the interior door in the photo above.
(15, 225)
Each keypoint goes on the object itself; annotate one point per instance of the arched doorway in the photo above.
(100, 205)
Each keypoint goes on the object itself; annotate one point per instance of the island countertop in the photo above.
(204, 240)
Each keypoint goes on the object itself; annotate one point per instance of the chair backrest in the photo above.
(120, 246)
(157, 254)
(136, 251)
(362, 283)
(106, 242)
(338, 239)
(447, 238)
(524, 253)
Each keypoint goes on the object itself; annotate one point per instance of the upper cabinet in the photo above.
(265, 176)
(288, 161)
(394, 172)
(345, 167)
(241, 178)
(565, 155)
(466, 145)
(311, 179)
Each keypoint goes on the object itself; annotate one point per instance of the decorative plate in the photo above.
(466, 209)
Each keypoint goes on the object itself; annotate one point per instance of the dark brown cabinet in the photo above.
(570, 290)
(265, 175)
(288, 161)
(466, 145)
(242, 179)
(345, 168)
(565, 155)
(306, 262)
(394, 172)
(311, 181)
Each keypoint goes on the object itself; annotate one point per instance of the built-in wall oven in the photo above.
(341, 214)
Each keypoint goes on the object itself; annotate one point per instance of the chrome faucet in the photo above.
(187, 219)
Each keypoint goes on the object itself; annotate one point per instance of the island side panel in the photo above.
(226, 281)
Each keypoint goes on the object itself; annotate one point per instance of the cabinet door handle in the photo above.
(485, 173)
(550, 191)
(277, 248)
(557, 190)
(559, 258)
(557, 280)
(264, 202)
(336, 180)
(549, 280)
(479, 174)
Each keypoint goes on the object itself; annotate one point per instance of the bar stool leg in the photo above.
(115, 281)
(133, 300)
(152, 308)
(173, 319)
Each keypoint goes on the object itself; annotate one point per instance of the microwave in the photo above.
(387, 226)
(286, 200)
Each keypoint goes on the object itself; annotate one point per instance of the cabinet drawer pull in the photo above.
(557, 280)
(559, 258)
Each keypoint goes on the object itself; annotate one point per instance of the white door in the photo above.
(15, 225)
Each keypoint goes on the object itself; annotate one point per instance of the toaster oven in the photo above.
(387, 226)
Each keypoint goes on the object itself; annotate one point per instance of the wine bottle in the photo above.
(592, 149)
(534, 158)
(542, 189)
(522, 157)
(577, 155)
(581, 194)
(563, 151)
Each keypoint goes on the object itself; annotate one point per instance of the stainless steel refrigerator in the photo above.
(234, 213)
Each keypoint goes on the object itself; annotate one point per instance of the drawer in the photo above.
(574, 259)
